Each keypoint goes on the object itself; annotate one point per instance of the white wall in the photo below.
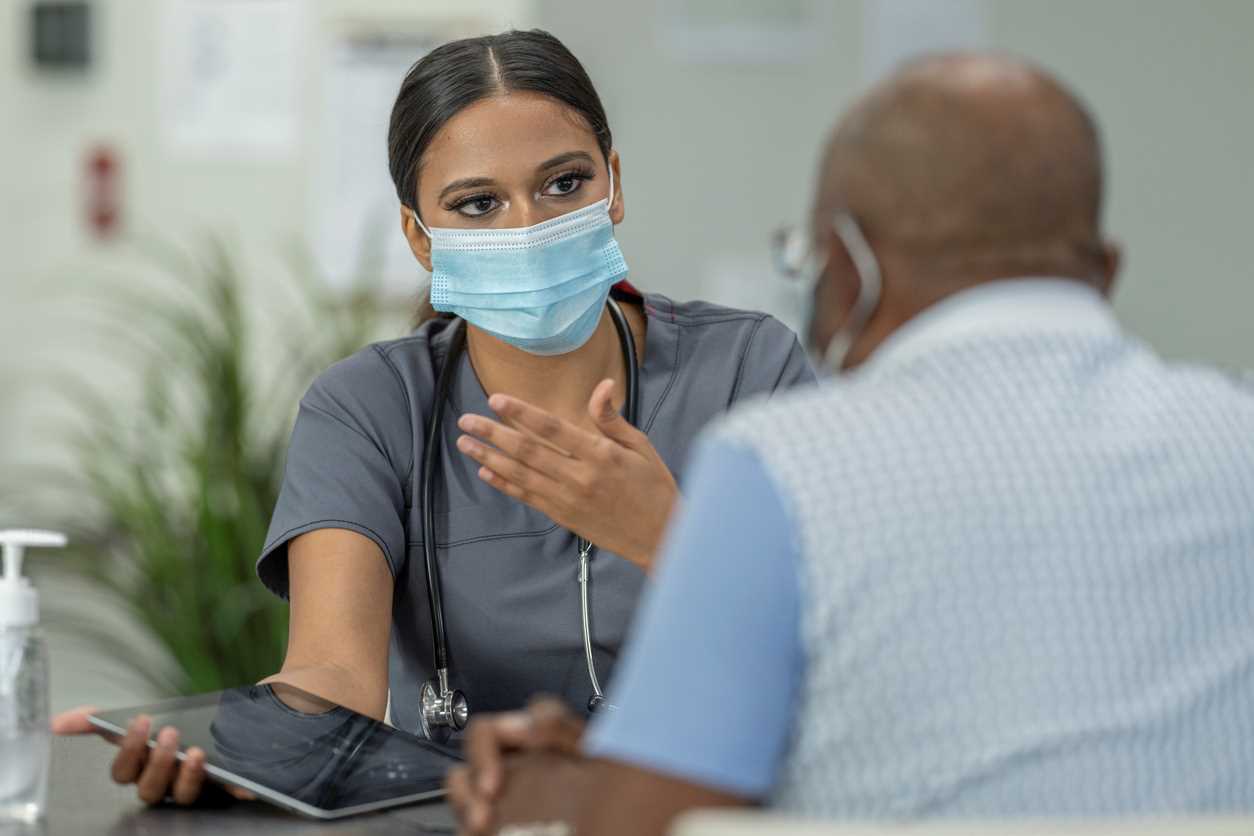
(715, 156)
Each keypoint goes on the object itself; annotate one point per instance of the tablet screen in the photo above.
(328, 763)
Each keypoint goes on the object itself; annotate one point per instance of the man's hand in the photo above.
(547, 726)
(609, 486)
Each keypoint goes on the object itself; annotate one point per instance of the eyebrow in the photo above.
(465, 183)
(552, 162)
(569, 156)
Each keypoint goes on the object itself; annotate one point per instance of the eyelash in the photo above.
(579, 175)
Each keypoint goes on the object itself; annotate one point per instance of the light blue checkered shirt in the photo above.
(1005, 569)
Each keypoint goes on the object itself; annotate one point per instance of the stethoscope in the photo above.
(443, 709)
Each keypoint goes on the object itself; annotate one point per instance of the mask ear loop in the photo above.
(870, 286)
(609, 201)
(418, 220)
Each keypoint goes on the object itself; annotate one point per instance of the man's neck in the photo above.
(902, 302)
(561, 384)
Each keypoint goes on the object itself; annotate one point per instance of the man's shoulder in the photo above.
(784, 417)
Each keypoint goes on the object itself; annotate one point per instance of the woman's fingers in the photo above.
(190, 778)
(531, 450)
(156, 771)
(516, 467)
(132, 752)
(158, 775)
(609, 420)
(544, 425)
(74, 721)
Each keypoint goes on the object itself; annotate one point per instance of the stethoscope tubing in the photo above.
(431, 457)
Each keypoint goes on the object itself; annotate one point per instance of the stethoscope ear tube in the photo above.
(628, 343)
(430, 462)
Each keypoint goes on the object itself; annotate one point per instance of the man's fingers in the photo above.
(133, 751)
(190, 778)
(457, 783)
(74, 721)
(554, 726)
(472, 812)
(154, 782)
(487, 739)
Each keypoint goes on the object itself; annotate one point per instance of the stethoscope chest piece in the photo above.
(444, 711)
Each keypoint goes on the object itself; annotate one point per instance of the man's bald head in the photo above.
(970, 163)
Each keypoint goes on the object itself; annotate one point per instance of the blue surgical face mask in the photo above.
(540, 288)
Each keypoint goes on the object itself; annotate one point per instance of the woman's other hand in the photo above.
(156, 772)
(609, 486)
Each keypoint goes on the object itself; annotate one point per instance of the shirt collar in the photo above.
(1006, 307)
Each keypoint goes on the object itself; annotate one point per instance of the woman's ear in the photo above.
(617, 211)
(419, 243)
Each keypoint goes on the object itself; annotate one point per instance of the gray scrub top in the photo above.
(508, 573)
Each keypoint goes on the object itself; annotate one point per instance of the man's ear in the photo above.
(617, 210)
(1112, 260)
(419, 243)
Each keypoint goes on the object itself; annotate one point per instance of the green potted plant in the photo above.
(180, 485)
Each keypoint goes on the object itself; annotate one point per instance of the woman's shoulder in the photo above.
(726, 326)
(379, 382)
(754, 349)
(700, 314)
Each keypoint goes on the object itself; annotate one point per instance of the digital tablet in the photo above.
(327, 764)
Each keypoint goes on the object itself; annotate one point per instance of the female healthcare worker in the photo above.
(509, 189)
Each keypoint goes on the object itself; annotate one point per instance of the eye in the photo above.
(475, 205)
(564, 184)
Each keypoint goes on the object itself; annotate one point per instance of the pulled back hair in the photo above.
(460, 73)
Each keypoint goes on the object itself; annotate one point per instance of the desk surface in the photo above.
(83, 800)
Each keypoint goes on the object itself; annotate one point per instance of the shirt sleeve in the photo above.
(708, 685)
(347, 464)
(774, 362)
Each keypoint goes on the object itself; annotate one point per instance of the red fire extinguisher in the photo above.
(104, 198)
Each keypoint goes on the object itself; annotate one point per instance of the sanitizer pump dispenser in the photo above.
(24, 737)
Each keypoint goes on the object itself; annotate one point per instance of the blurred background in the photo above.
(197, 216)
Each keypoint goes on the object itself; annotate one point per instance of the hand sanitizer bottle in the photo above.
(24, 736)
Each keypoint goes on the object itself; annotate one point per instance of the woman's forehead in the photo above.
(505, 135)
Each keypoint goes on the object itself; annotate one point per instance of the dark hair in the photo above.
(454, 76)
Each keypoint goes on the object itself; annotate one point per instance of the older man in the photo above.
(1003, 567)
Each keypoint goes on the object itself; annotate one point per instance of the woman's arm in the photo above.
(341, 617)
(337, 648)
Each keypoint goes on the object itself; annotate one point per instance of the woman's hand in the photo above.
(609, 486)
(476, 788)
(156, 773)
